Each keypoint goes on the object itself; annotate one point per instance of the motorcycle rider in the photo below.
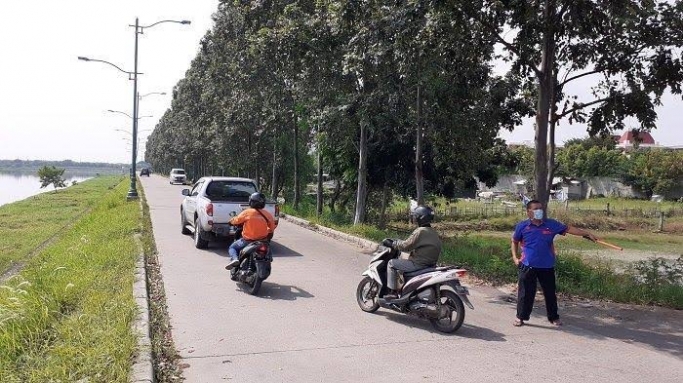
(258, 223)
(424, 245)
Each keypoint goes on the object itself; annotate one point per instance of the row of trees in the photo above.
(402, 96)
(649, 171)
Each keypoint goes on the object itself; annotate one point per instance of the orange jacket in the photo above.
(255, 227)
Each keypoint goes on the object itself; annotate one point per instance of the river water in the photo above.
(15, 187)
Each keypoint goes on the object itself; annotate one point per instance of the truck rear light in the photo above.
(209, 210)
(277, 210)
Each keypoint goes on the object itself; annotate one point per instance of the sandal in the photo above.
(556, 323)
(518, 323)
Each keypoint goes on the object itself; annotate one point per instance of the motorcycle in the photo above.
(433, 293)
(254, 265)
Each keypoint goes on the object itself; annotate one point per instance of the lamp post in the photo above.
(125, 114)
(132, 193)
(140, 29)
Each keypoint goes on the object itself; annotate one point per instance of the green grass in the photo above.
(67, 316)
(24, 225)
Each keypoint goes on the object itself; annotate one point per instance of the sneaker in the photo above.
(232, 264)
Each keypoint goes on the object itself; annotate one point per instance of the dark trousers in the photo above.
(526, 291)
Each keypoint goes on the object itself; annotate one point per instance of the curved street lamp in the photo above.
(140, 97)
(87, 59)
(140, 29)
(125, 114)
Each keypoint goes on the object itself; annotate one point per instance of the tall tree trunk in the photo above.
(551, 138)
(335, 195)
(419, 176)
(385, 202)
(545, 94)
(250, 155)
(258, 166)
(362, 191)
(297, 197)
(274, 191)
(319, 192)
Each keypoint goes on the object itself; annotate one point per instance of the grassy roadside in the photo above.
(488, 257)
(24, 225)
(67, 316)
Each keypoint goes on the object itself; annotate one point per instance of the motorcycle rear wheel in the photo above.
(255, 286)
(449, 325)
(365, 286)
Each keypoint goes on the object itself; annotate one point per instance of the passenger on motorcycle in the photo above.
(424, 245)
(258, 223)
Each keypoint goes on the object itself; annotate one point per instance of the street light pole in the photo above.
(133, 193)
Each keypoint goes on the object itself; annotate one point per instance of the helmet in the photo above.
(257, 201)
(423, 215)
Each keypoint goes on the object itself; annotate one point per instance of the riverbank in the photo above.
(67, 315)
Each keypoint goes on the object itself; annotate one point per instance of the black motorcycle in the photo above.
(254, 265)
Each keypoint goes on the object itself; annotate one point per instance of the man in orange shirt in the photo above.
(258, 223)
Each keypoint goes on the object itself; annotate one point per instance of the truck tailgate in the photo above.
(224, 211)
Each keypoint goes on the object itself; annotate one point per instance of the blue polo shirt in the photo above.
(536, 241)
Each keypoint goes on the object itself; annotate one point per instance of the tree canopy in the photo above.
(401, 98)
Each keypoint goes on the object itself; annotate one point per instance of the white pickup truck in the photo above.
(212, 202)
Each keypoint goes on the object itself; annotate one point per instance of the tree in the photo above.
(50, 175)
(631, 47)
(654, 171)
(578, 161)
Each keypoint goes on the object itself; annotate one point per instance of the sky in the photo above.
(54, 107)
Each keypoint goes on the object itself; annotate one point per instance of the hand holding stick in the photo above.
(601, 242)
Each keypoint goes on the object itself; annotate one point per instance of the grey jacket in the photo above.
(424, 245)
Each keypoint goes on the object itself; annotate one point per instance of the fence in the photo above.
(494, 211)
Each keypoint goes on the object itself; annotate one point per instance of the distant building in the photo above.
(631, 139)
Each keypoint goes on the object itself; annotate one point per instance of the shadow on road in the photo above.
(220, 248)
(281, 251)
(282, 292)
(654, 327)
(658, 328)
(466, 331)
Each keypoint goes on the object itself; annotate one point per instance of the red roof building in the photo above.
(630, 138)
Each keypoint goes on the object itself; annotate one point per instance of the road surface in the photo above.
(306, 326)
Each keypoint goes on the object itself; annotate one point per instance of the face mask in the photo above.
(538, 214)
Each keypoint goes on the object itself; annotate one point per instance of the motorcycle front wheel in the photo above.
(366, 295)
(454, 305)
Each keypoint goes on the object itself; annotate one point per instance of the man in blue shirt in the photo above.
(537, 261)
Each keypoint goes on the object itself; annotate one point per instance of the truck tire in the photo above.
(183, 224)
(199, 242)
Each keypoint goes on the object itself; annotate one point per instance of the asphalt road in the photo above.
(306, 326)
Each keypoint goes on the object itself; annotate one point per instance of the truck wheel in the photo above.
(199, 242)
(183, 224)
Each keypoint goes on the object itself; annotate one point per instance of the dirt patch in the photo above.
(628, 255)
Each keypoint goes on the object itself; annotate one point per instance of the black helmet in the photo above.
(257, 201)
(423, 215)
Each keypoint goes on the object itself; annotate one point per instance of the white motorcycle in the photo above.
(433, 293)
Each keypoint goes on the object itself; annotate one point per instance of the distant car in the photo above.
(177, 176)
(145, 172)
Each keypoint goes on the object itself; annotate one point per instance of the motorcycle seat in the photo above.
(419, 272)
